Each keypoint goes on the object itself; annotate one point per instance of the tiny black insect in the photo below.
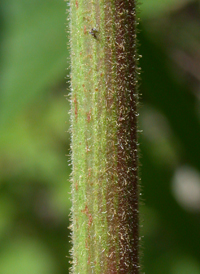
(94, 32)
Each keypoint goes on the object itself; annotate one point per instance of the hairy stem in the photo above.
(104, 137)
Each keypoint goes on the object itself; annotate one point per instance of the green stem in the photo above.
(104, 137)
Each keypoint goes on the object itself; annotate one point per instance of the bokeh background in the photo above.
(34, 138)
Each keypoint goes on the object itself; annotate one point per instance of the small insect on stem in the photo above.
(94, 32)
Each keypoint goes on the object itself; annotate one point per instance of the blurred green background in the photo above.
(34, 138)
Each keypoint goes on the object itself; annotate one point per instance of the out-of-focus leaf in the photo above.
(7, 213)
(177, 228)
(173, 100)
(24, 256)
(60, 199)
(176, 262)
(159, 7)
(33, 144)
(34, 53)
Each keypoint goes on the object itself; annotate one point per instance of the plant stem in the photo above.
(104, 137)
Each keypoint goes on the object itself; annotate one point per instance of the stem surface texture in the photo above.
(104, 102)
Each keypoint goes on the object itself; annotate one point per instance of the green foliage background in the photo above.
(34, 120)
